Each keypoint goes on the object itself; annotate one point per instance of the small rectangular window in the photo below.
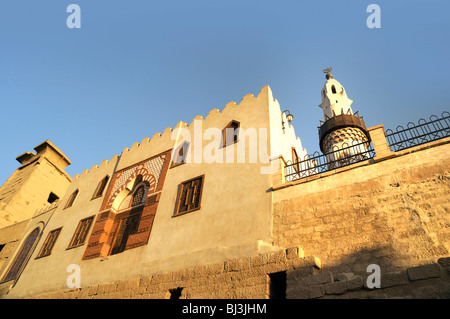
(50, 241)
(81, 232)
(189, 196)
(230, 133)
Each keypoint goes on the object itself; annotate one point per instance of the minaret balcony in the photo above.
(341, 121)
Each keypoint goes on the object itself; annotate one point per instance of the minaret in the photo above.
(342, 129)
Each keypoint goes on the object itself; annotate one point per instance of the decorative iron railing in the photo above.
(319, 163)
(417, 134)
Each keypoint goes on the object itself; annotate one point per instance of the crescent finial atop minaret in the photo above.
(327, 71)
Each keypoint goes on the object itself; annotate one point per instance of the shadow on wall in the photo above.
(364, 275)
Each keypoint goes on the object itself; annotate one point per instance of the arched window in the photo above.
(101, 187)
(333, 89)
(295, 160)
(71, 199)
(22, 257)
(138, 196)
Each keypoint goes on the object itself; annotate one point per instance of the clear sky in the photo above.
(136, 67)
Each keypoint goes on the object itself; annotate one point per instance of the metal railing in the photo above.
(319, 163)
(417, 134)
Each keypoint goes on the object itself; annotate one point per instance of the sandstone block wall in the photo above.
(250, 278)
(429, 281)
(235, 278)
(10, 238)
(393, 213)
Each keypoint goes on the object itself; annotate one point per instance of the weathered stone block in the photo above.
(129, 284)
(237, 264)
(321, 278)
(294, 253)
(296, 293)
(258, 260)
(145, 281)
(214, 269)
(354, 283)
(310, 292)
(91, 290)
(315, 291)
(107, 288)
(277, 257)
(344, 276)
(298, 274)
(424, 272)
(444, 262)
(335, 288)
(394, 279)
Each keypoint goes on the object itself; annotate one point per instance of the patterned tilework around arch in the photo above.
(150, 171)
(108, 221)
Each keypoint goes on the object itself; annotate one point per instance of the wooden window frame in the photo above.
(101, 187)
(71, 199)
(180, 192)
(78, 230)
(184, 147)
(236, 135)
(131, 219)
(49, 243)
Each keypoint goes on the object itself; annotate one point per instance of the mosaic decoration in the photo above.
(150, 171)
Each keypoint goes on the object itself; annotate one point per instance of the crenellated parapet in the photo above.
(104, 165)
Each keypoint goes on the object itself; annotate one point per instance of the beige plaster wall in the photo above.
(50, 272)
(230, 223)
(235, 218)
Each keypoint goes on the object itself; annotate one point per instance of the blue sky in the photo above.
(136, 67)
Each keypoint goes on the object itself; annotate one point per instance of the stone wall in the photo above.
(428, 281)
(250, 278)
(235, 278)
(393, 213)
(10, 238)
(29, 187)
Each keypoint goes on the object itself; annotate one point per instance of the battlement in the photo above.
(103, 165)
(161, 142)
